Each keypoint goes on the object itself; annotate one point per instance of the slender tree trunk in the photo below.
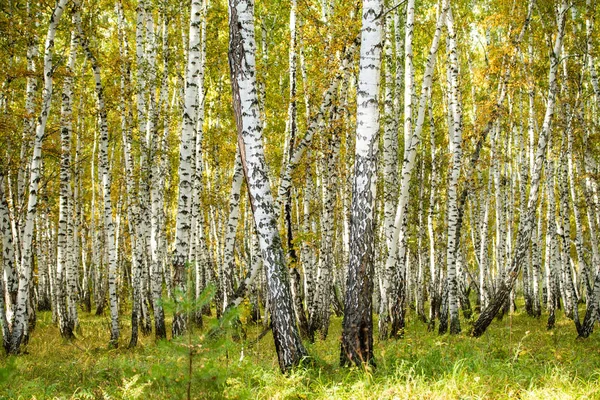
(228, 270)
(390, 166)
(21, 315)
(455, 142)
(434, 299)
(141, 92)
(104, 172)
(292, 127)
(288, 345)
(564, 232)
(29, 132)
(536, 250)
(190, 116)
(9, 269)
(527, 221)
(394, 266)
(133, 210)
(308, 256)
(326, 270)
(157, 189)
(64, 268)
(483, 248)
(551, 247)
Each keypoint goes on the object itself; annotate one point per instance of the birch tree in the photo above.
(526, 223)
(393, 288)
(357, 326)
(26, 267)
(65, 291)
(455, 134)
(190, 116)
(242, 64)
(105, 179)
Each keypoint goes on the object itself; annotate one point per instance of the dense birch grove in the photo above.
(378, 161)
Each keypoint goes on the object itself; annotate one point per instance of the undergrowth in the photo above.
(516, 358)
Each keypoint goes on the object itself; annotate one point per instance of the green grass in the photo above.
(516, 358)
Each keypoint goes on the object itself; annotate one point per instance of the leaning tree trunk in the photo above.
(393, 284)
(357, 334)
(289, 347)
(21, 315)
(527, 221)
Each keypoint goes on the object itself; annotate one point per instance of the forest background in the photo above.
(195, 195)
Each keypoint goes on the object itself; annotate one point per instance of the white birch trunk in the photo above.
(9, 266)
(242, 63)
(357, 326)
(455, 110)
(65, 266)
(20, 316)
(190, 117)
(390, 162)
(527, 221)
(228, 271)
(393, 267)
(29, 126)
(104, 173)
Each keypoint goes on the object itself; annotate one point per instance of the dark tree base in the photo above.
(160, 329)
(551, 320)
(487, 316)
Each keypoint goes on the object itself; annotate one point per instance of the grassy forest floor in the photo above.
(516, 358)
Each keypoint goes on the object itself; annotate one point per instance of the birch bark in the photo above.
(104, 173)
(65, 291)
(23, 291)
(357, 326)
(455, 132)
(394, 288)
(526, 223)
(242, 65)
(190, 116)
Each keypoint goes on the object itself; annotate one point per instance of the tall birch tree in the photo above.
(527, 221)
(190, 116)
(357, 326)
(242, 64)
(26, 268)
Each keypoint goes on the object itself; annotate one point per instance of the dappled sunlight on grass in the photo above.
(516, 358)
